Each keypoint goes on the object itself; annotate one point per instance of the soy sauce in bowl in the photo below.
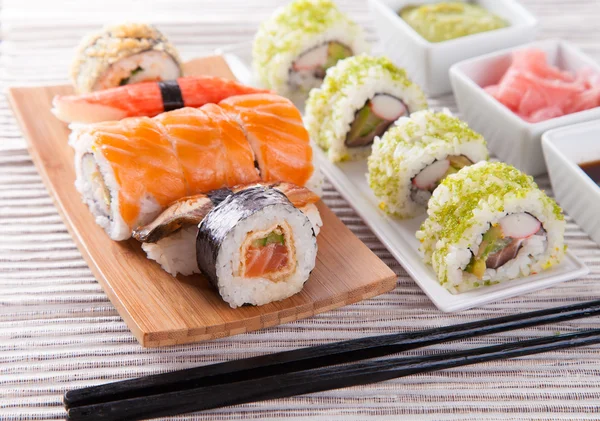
(592, 169)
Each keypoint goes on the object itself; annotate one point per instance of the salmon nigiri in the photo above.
(211, 147)
(274, 128)
(146, 99)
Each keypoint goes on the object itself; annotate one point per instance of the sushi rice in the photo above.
(412, 145)
(468, 204)
(332, 108)
(294, 30)
(123, 54)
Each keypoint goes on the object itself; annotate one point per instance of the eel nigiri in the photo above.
(146, 99)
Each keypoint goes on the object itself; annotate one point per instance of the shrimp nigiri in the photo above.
(146, 99)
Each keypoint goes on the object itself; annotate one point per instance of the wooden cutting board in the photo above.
(159, 309)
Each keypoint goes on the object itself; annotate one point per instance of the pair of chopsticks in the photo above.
(316, 369)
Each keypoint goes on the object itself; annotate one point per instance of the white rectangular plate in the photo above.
(399, 236)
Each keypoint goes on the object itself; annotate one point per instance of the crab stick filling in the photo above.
(374, 118)
(502, 242)
(268, 254)
(426, 181)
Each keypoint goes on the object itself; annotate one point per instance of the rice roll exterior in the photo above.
(359, 100)
(124, 54)
(293, 49)
(256, 247)
(127, 172)
(411, 159)
(490, 223)
(170, 239)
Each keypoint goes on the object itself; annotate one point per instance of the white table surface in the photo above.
(59, 331)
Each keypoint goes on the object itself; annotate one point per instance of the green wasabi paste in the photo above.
(449, 20)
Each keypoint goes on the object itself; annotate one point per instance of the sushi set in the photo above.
(193, 189)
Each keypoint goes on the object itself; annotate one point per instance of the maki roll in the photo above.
(359, 100)
(411, 159)
(256, 247)
(489, 223)
(170, 239)
(123, 54)
(293, 49)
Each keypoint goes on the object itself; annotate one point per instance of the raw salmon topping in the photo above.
(267, 255)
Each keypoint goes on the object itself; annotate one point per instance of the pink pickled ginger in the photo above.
(538, 91)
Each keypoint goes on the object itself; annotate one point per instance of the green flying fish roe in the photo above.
(421, 135)
(286, 32)
(479, 182)
(343, 78)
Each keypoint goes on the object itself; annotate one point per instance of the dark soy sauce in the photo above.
(592, 169)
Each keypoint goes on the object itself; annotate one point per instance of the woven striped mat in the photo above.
(59, 331)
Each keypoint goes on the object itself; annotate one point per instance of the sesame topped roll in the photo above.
(293, 49)
(413, 157)
(359, 100)
(490, 223)
(123, 54)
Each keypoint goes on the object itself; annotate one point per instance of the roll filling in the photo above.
(269, 254)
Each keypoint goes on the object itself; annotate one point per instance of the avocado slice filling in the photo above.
(365, 127)
(335, 53)
(134, 72)
(493, 241)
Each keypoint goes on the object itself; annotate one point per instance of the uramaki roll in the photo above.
(123, 54)
(490, 223)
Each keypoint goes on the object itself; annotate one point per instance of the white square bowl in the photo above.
(509, 137)
(427, 63)
(577, 193)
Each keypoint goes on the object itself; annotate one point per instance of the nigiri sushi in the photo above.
(170, 238)
(145, 99)
(123, 54)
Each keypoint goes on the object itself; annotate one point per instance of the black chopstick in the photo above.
(318, 356)
(310, 381)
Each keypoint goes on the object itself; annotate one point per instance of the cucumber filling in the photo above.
(374, 118)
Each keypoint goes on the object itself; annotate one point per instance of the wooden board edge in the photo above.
(374, 289)
(135, 329)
